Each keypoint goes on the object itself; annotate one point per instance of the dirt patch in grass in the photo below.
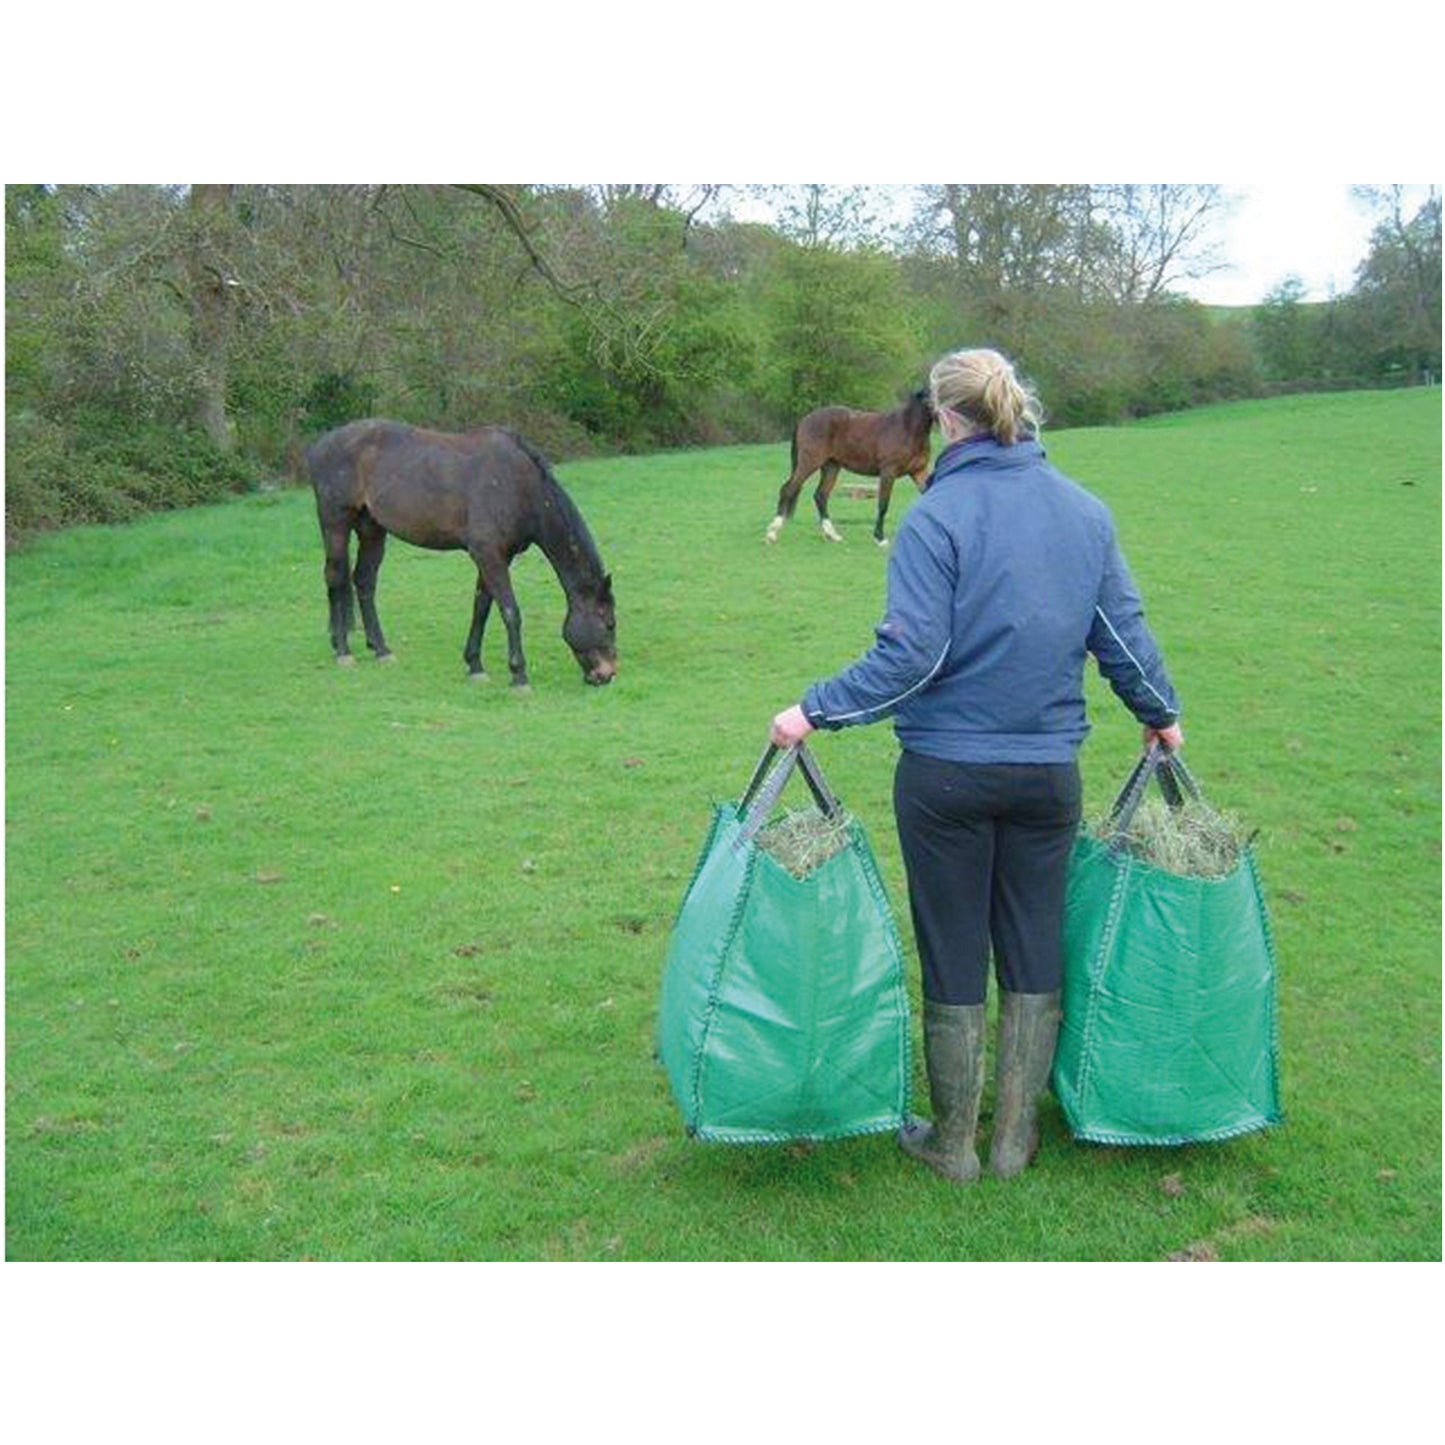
(641, 1155)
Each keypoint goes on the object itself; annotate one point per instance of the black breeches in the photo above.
(986, 847)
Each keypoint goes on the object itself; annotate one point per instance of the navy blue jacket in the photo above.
(1003, 574)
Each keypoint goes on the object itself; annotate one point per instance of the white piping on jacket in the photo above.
(1164, 701)
(893, 701)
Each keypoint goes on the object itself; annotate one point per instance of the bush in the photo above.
(335, 399)
(98, 469)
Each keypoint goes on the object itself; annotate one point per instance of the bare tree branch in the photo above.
(616, 334)
(515, 222)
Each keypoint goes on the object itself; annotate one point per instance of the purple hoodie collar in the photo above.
(976, 448)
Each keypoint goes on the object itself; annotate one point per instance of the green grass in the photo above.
(363, 964)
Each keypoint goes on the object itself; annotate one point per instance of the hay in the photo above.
(1193, 841)
(803, 839)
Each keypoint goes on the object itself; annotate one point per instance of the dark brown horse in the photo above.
(487, 491)
(882, 444)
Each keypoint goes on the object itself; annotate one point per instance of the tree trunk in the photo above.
(210, 310)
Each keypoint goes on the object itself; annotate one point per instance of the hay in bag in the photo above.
(783, 1013)
(1169, 1032)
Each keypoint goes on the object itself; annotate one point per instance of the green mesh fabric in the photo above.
(1169, 1031)
(783, 1012)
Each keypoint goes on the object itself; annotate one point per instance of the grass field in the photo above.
(305, 962)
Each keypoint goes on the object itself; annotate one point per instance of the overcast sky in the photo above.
(1314, 230)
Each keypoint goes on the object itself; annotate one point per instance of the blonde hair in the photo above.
(981, 387)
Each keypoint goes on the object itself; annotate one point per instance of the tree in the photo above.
(624, 316)
(688, 201)
(1397, 287)
(841, 330)
(823, 215)
(211, 281)
(1157, 236)
(1283, 333)
(35, 270)
(1124, 243)
(1007, 238)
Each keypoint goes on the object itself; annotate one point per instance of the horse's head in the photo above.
(591, 632)
(919, 407)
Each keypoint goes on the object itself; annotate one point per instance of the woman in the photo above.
(1004, 574)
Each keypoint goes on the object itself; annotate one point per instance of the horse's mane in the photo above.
(572, 519)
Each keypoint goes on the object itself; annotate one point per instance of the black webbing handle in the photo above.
(1178, 773)
(1174, 779)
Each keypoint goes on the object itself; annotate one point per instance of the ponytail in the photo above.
(981, 387)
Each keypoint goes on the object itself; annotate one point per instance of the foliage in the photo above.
(1398, 295)
(646, 393)
(1385, 331)
(309, 962)
(94, 470)
(841, 331)
(626, 317)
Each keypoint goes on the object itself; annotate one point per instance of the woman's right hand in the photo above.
(789, 728)
(1170, 738)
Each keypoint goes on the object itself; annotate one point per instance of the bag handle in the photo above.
(1174, 779)
(759, 797)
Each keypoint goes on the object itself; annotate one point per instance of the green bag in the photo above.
(783, 1013)
(1169, 1031)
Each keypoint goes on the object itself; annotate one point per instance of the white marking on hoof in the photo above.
(479, 677)
(521, 689)
(831, 532)
(346, 659)
(882, 542)
(774, 527)
(387, 657)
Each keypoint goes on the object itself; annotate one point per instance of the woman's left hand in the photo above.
(789, 728)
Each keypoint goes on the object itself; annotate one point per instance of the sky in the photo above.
(1314, 230)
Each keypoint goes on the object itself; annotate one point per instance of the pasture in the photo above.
(362, 964)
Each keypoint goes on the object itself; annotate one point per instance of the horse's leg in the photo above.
(336, 539)
(370, 548)
(493, 575)
(788, 498)
(820, 500)
(885, 494)
(472, 652)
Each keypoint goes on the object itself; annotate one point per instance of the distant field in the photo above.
(305, 962)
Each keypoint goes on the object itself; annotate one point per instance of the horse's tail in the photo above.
(330, 469)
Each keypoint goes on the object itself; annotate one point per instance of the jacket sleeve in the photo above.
(1125, 649)
(912, 641)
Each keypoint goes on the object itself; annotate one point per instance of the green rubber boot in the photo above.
(1028, 1029)
(953, 1037)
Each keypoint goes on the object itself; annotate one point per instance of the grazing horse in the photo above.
(488, 491)
(882, 444)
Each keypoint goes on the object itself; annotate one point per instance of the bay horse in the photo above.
(882, 444)
(487, 491)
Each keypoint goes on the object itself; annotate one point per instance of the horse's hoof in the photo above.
(479, 677)
(830, 533)
(345, 659)
(386, 657)
(521, 689)
(881, 541)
